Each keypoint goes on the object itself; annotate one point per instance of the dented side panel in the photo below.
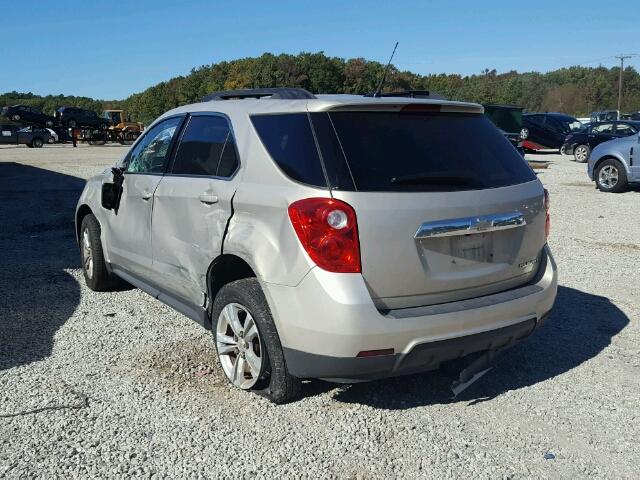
(188, 230)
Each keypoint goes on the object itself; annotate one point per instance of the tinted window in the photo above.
(427, 151)
(625, 129)
(151, 153)
(536, 119)
(606, 128)
(290, 143)
(203, 146)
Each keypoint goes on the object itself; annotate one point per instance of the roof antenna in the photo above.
(384, 75)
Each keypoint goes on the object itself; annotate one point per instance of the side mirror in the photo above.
(108, 196)
(111, 192)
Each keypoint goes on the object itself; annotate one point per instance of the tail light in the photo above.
(547, 208)
(328, 231)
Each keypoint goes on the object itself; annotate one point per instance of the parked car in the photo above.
(12, 134)
(53, 136)
(508, 118)
(72, 117)
(615, 164)
(335, 236)
(542, 131)
(605, 116)
(581, 143)
(631, 116)
(27, 114)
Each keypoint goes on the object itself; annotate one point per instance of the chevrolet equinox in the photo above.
(339, 237)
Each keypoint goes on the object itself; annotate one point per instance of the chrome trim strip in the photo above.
(468, 225)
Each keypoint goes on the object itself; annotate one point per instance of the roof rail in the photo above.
(410, 94)
(283, 93)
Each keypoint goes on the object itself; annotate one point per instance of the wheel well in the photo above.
(225, 269)
(606, 157)
(83, 211)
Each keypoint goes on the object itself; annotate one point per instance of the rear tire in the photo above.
(581, 153)
(611, 176)
(243, 303)
(37, 142)
(96, 275)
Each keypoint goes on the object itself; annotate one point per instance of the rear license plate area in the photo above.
(474, 247)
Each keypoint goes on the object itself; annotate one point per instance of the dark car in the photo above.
(13, 134)
(542, 131)
(72, 117)
(508, 118)
(581, 143)
(27, 114)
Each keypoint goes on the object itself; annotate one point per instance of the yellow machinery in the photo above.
(121, 128)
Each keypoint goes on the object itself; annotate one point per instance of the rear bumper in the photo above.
(326, 320)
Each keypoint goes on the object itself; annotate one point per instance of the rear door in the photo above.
(128, 235)
(441, 217)
(192, 206)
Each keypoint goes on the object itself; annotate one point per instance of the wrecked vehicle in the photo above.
(340, 237)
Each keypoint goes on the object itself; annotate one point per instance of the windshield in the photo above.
(573, 126)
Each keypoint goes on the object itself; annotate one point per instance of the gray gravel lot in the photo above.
(150, 399)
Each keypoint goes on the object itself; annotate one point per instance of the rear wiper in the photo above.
(433, 179)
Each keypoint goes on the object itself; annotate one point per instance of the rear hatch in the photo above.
(447, 209)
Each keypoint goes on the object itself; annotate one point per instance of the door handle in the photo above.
(146, 195)
(208, 199)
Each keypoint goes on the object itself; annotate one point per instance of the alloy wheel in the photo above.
(87, 257)
(581, 153)
(608, 176)
(239, 346)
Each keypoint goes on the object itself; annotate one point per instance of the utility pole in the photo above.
(622, 58)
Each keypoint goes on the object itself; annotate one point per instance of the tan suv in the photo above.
(338, 237)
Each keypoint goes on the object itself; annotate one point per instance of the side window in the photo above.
(624, 129)
(290, 143)
(606, 128)
(151, 153)
(553, 124)
(206, 148)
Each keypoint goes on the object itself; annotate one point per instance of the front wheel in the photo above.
(248, 345)
(581, 153)
(611, 176)
(95, 271)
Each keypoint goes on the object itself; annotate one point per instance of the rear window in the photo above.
(389, 151)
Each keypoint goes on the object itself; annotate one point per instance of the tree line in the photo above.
(575, 90)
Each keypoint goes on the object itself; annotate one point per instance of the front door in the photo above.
(634, 159)
(192, 206)
(602, 132)
(128, 236)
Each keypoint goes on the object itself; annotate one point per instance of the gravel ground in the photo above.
(131, 388)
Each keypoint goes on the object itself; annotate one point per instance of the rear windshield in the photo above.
(391, 151)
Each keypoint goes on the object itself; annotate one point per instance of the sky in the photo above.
(109, 50)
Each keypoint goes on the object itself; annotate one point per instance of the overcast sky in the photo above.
(93, 49)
